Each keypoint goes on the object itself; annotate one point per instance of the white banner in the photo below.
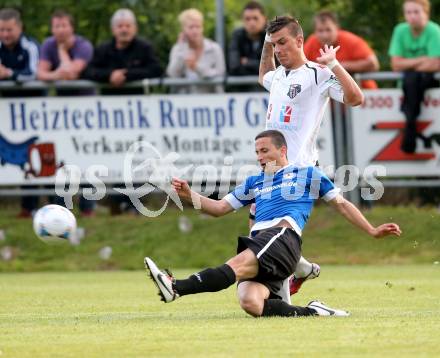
(210, 133)
(377, 134)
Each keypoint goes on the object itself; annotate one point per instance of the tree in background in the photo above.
(373, 20)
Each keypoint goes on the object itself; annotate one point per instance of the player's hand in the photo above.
(386, 230)
(181, 187)
(328, 54)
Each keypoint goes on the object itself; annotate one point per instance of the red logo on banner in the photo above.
(392, 151)
(36, 159)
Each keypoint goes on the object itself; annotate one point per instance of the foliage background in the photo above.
(373, 19)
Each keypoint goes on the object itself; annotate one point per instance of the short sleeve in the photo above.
(45, 51)
(83, 51)
(241, 196)
(331, 87)
(268, 79)
(396, 44)
(433, 46)
(327, 189)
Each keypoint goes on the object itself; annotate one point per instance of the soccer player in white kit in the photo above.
(299, 92)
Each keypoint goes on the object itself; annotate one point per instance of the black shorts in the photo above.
(278, 250)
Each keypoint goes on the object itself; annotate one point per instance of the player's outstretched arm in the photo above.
(352, 214)
(209, 206)
(267, 61)
(352, 93)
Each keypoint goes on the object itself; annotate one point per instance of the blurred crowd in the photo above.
(126, 57)
(414, 50)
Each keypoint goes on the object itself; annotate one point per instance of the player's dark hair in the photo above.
(254, 5)
(281, 22)
(276, 137)
(326, 15)
(60, 14)
(10, 14)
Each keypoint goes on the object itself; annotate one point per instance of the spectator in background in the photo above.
(124, 58)
(18, 53)
(18, 62)
(64, 55)
(355, 55)
(415, 50)
(194, 56)
(247, 41)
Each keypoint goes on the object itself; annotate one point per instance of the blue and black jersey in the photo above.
(289, 195)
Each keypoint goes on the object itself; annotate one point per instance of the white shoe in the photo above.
(316, 270)
(322, 310)
(163, 280)
(295, 283)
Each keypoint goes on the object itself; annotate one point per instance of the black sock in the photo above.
(274, 307)
(209, 280)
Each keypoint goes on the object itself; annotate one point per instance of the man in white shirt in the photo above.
(299, 92)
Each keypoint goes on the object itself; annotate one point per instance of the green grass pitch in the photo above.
(395, 313)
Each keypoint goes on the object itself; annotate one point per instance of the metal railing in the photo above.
(149, 83)
(384, 76)
(176, 82)
(343, 153)
(145, 84)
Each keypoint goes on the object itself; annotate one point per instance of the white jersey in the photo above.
(296, 107)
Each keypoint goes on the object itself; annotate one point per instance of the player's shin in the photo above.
(208, 280)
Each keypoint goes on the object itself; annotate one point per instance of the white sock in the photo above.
(303, 268)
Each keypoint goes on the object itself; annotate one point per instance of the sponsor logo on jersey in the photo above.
(269, 189)
(281, 126)
(294, 89)
(285, 114)
(333, 80)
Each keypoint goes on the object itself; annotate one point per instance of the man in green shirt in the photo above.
(415, 50)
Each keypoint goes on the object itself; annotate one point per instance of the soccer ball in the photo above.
(54, 223)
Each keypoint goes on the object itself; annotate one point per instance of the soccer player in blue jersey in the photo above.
(284, 196)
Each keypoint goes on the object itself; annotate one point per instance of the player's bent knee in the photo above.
(245, 265)
(252, 306)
